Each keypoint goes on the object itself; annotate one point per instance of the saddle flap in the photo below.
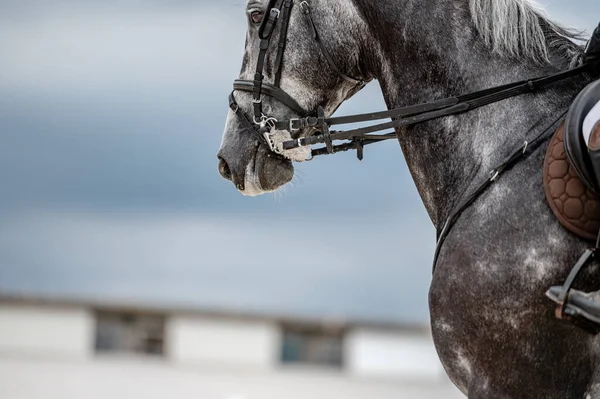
(576, 206)
(574, 143)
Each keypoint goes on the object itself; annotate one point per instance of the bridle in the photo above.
(261, 124)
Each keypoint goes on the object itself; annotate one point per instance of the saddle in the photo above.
(570, 183)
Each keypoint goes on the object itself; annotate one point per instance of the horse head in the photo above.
(298, 57)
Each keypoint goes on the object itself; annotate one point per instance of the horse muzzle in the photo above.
(260, 173)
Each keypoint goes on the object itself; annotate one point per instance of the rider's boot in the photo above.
(578, 306)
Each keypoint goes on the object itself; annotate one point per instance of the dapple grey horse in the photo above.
(493, 328)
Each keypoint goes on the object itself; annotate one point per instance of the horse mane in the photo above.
(521, 28)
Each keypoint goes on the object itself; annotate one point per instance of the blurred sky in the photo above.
(111, 114)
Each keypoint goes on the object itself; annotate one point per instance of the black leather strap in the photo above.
(315, 34)
(519, 153)
(421, 108)
(266, 29)
(563, 296)
(324, 130)
(428, 111)
(265, 32)
(297, 124)
(287, 12)
(355, 144)
(394, 113)
(233, 105)
(270, 90)
(363, 133)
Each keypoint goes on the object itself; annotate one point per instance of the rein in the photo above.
(407, 116)
(520, 153)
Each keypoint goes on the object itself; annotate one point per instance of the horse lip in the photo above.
(252, 186)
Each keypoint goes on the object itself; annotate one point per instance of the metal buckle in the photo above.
(275, 10)
(268, 121)
(292, 128)
(304, 3)
(255, 118)
(494, 173)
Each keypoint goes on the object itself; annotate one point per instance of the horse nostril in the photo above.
(224, 169)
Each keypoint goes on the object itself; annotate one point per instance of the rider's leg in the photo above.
(591, 134)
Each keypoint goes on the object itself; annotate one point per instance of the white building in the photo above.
(74, 349)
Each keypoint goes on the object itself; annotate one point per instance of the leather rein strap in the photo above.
(412, 115)
(521, 152)
(271, 90)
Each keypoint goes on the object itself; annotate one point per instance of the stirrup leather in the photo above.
(571, 313)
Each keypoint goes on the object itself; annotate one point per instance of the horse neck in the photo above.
(430, 52)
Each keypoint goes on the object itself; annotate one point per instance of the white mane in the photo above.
(521, 28)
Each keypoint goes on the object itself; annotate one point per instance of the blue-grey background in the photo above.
(111, 114)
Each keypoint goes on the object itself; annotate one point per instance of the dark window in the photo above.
(312, 346)
(124, 332)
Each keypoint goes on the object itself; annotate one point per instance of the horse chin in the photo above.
(266, 172)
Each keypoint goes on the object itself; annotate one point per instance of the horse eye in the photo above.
(257, 16)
